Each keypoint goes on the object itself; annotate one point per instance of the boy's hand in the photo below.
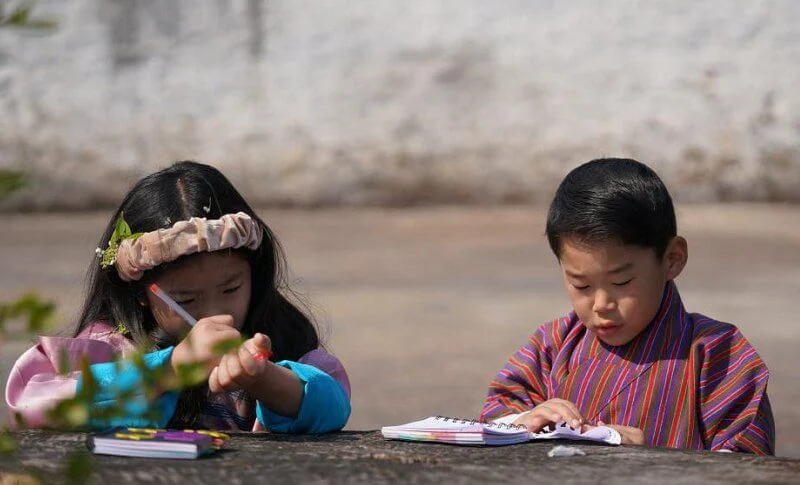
(198, 346)
(241, 368)
(630, 435)
(553, 411)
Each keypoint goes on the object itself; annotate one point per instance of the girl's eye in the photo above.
(185, 302)
(623, 283)
(581, 288)
(232, 290)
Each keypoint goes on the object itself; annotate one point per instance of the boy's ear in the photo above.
(675, 257)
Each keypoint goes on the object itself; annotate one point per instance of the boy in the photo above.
(629, 354)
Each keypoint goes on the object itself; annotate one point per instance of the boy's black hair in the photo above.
(612, 200)
(184, 190)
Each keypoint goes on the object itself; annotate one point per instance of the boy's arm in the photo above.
(734, 408)
(522, 383)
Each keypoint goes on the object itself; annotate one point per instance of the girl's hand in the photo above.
(553, 411)
(630, 435)
(198, 346)
(243, 367)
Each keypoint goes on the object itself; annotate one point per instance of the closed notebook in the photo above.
(156, 443)
(441, 429)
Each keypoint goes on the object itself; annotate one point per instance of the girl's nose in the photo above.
(209, 309)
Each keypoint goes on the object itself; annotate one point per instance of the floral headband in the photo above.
(133, 254)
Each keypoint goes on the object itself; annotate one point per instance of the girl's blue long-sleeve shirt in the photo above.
(325, 406)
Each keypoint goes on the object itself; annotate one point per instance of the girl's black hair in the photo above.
(184, 190)
(612, 199)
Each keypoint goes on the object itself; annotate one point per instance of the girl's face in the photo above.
(204, 284)
(616, 289)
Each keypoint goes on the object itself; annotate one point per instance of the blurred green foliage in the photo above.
(20, 16)
(10, 181)
(79, 411)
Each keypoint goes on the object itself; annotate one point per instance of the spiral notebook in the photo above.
(156, 443)
(457, 431)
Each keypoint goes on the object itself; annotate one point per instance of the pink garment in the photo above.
(35, 386)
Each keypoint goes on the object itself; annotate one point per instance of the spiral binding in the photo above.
(478, 421)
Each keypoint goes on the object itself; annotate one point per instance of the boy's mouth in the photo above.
(607, 329)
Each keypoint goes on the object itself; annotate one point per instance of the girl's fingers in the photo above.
(213, 381)
(235, 371)
(261, 347)
(249, 365)
(225, 381)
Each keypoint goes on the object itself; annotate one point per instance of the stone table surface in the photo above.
(365, 457)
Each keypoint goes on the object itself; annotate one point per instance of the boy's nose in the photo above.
(603, 302)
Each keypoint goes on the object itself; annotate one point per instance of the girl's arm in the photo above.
(35, 385)
(324, 402)
(309, 396)
(121, 385)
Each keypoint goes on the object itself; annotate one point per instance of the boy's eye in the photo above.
(623, 283)
(184, 302)
(580, 288)
(232, 290)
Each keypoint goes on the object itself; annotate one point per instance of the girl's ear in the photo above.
(675, 257)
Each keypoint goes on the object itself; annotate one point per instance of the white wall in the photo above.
(315, 102)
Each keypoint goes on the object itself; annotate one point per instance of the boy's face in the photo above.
(616, 289)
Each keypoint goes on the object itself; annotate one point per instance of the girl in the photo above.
(197, 239)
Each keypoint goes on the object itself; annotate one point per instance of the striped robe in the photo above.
(687, 381)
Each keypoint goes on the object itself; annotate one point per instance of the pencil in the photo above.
(154, 289)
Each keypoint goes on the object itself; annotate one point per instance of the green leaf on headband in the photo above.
(121, 232)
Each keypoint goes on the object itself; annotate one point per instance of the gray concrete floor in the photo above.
(424, 305)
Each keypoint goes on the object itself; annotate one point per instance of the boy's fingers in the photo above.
(534, 423)
(540, 418)
(564, 413)
(570, 411)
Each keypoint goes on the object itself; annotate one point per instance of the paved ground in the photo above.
(424, 305)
